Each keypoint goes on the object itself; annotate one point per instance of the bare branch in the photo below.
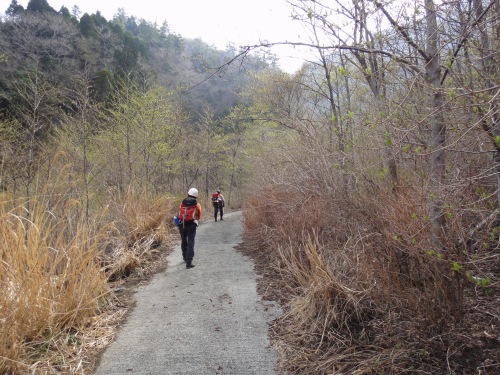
(345, 47)
(401, 30)
(465, 38)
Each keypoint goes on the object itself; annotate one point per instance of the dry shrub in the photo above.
(328, 294)
(121, 263)
(365, 290)
(55, 263)
(142, 214)
(323, 297)
(409, 273)
(140, 225)
(50, 278)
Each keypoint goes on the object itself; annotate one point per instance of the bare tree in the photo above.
(33, 107)
(399, 43)
(83, 126)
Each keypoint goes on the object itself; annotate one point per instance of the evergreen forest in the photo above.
(369, 179)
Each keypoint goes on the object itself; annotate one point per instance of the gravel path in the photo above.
(205, 320)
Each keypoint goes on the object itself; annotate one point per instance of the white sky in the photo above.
(216, 22)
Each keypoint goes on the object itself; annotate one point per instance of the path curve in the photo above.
(205, 320)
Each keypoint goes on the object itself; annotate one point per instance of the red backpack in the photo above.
(187, 210)
(215, 199)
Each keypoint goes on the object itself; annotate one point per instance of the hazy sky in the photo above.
(216, 22)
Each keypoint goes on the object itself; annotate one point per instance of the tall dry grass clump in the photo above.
(59, 263)
(141, 223)
(51, 280)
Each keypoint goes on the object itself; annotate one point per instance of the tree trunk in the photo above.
(488, 67)
(438, 128)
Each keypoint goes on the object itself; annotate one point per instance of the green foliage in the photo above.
(131, 122)
(39, 6)
(387, 139)
(14, 8)
(448, 211)
(382, 173)
(455, 266)
(479, 281)
(126, 59)
(102, 87)
(139, 144)
(87, 27)
(433, 253)
(137, 50)
(497, 141)
(495, 232)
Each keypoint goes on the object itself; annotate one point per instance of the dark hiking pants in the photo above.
(218, 209)
(188, 233)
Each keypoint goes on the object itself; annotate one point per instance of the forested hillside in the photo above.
(104, 125)
(83, 76)
(369, 179)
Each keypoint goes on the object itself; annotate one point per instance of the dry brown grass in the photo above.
(51, 280)
(57, 310)
(141, 222)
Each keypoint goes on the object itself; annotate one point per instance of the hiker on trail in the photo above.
(189, 214)
(218, 203)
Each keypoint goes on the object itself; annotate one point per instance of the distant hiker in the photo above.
(218, 203)
(189, 214)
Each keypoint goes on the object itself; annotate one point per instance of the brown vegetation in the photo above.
(374, 214)
(58, 274)
(362, 290)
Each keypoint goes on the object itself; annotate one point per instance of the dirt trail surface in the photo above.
(204, 320)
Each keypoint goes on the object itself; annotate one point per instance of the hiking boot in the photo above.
(189, 265)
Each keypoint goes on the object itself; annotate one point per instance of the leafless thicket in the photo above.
(377, 199)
